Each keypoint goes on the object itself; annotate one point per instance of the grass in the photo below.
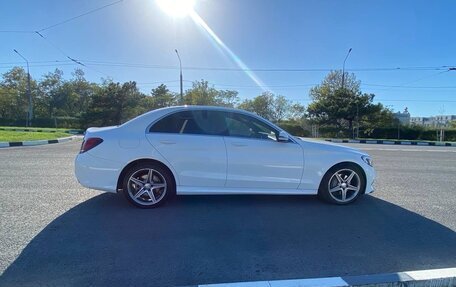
(12, 136)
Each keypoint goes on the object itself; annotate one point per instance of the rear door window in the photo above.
(202, 122)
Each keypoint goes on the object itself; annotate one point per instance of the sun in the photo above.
(176, 8)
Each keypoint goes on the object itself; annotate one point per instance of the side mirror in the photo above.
(283, 137)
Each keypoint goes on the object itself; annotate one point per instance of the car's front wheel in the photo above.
(148, 185)
(342, 184)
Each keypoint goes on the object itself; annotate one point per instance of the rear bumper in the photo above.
(96, 173)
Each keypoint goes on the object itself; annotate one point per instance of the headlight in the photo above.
(367, 160)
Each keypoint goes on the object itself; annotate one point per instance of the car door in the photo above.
(190, 142)
(256, 159)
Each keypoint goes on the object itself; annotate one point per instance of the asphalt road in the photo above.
(53, 232)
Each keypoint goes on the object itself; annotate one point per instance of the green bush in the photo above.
(405, 132)
(61, 122)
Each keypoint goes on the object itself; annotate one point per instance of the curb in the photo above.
(73, 132)
(37, 142)
(424, 143)
(431, 277)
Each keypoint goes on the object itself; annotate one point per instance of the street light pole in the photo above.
(181, 80)
(28, 121)
(343, 68)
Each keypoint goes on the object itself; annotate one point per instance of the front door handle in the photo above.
(167, 142)
(239, 144)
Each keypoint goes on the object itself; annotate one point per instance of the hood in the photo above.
(329, 146)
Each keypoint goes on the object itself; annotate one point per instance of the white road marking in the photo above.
(419, 275)
(432, 273)
(404, 149)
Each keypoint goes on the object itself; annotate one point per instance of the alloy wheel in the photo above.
(147, 186)
(344, 185)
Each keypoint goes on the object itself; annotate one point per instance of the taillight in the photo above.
(90, 143)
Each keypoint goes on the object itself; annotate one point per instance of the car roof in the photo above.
(146, 118)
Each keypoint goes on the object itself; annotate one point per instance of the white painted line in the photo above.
(315, 282)
(4, 144)
(432, 273)
(37, 142)
(403, 149)
(406, 143)
(419, 143)
(420, 275)
(239, 284)
(353, 141)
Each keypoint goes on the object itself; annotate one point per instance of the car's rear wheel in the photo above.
(148, 185)
(342, 184)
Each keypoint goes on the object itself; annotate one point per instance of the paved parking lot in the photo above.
(53, 232)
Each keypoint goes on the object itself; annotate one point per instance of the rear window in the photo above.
(192, 122)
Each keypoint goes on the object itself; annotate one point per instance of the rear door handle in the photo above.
(167, 142)
(239, 144)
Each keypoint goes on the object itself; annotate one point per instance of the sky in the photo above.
(285, 46)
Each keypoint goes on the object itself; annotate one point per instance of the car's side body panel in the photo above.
(257, 163)
(204, 164)
(321, 156)
(198, 160)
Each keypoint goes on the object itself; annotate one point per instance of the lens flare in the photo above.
(199, 21)
(176, 8)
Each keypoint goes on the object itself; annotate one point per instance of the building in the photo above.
(404, 117)
(421, 121)
(435, 121)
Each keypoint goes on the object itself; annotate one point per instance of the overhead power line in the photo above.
(151, 66)
(63, 21)
(79, 16)
(441, 69)
(76, 61)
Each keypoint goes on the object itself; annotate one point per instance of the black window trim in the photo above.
(240, 112)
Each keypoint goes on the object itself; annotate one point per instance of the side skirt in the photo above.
(187, 190)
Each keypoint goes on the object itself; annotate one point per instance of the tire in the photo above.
(148, 185)
(338, 188)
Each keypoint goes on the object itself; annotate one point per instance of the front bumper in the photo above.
(370, 179)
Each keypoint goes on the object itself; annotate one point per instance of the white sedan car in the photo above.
(214, 150)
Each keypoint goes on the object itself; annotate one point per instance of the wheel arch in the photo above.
(345, 163)
(139, 161)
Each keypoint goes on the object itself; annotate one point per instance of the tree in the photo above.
(14, 96)
(82, 91)
(262, 105)
(453, 124)
(113, 104)
(227, 98)
(51, 96)
(272, 107)
(280, 108)
(162, 97)
(336, 106)
(202, 93)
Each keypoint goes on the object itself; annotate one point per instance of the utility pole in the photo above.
(343, 68)
(181, 79)
(28, 122)
(357, 119)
